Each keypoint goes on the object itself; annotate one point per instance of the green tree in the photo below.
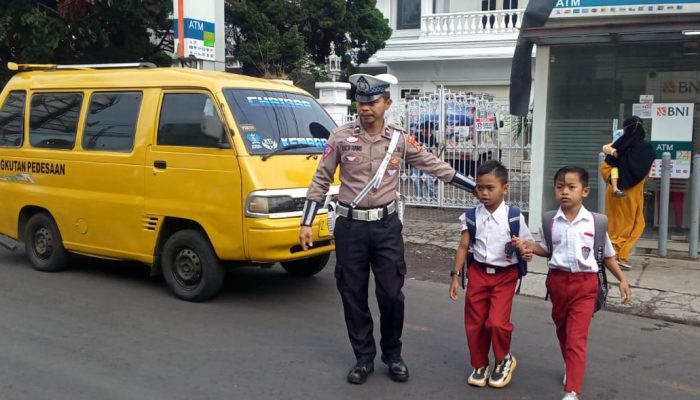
(279, 37)
(84, 31)
(267, 40)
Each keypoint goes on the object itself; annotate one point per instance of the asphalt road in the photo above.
(105, 330)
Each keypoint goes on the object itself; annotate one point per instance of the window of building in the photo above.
(111, 121)
(409, 93)
(12, 120)
(510, 4)
(53, 119)
(488, 5)
(408, 14)
(190, 119)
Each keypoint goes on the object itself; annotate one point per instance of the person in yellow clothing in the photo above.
(626, 213)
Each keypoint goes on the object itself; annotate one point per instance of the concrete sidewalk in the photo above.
(663, 288)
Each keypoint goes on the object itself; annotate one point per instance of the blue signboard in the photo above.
(607, 8)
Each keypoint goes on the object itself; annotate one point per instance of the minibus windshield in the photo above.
(269, 120)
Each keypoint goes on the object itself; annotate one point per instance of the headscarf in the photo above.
(634, 154)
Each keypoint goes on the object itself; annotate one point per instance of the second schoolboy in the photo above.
(572, 281)
(492, 279)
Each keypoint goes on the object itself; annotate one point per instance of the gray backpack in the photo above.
(600, 223)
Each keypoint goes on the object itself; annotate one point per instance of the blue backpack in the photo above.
(513, 225)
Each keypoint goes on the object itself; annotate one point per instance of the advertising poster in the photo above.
(672, 131)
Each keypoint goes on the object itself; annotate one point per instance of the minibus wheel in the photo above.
(190, 266)
(44, 244)
(306, 266)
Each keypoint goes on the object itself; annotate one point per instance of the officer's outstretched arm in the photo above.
(463, 182)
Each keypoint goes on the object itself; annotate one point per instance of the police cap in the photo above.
(369, 88)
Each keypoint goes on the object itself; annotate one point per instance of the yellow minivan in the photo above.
(185, 170)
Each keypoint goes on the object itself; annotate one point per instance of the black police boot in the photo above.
(398, 371)
(359, 373)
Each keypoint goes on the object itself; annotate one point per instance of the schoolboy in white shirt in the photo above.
(572, 281)
(492, 279)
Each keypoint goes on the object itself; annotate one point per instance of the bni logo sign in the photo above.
(673, 111)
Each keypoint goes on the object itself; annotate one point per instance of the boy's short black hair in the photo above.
(581, 172)
(495, 167)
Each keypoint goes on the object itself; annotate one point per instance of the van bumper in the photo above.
(274, 240)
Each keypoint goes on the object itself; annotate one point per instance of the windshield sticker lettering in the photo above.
(315, 142)
(34, 167)
(255, 140)
(258, 101)
(247, 127)
(269, 144)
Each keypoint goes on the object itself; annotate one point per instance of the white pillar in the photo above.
(539, 129)
(333, 96)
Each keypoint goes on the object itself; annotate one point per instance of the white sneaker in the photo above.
(570, 396)
(479, 376)
(503, 372)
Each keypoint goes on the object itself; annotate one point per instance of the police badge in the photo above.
(362, 84)
(585, 252)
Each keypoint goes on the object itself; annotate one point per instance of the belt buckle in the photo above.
(490, 270)
(373, 214)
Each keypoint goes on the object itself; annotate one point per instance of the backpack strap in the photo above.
(547, 223)
(514, 227)
(600, 223)
(470, 220)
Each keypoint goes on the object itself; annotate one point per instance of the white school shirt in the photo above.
(492, 244)
(572, 243)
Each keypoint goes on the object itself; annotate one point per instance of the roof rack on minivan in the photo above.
(50, 67)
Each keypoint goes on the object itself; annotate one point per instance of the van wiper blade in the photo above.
(282, 149)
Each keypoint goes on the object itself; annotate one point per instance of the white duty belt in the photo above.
(373, 214)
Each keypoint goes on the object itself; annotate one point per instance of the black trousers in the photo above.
(378, 245)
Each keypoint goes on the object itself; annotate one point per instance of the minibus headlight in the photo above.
(272, 204)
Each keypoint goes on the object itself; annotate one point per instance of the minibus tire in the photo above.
(44, 245)
(306, 266)
(190, 266)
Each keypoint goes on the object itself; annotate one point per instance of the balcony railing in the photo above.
(471, 23)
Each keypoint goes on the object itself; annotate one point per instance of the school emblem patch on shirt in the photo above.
(327, 151)
(585, 252)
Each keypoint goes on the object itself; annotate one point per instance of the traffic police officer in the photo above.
(368, 229)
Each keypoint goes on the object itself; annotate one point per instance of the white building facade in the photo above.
(463, 45)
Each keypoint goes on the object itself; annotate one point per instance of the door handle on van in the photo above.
(160, 164)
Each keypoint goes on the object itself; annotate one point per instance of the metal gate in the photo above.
(467, 129)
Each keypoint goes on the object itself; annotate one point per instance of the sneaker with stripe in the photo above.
(479, 376)
(503, 372)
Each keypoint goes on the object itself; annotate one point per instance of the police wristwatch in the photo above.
(455, 273)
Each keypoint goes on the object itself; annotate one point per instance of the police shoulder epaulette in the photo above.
(396, 127)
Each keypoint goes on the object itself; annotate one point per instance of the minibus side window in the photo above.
(190, 119)
(12, 120)
(53, 119)
(111, 121)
